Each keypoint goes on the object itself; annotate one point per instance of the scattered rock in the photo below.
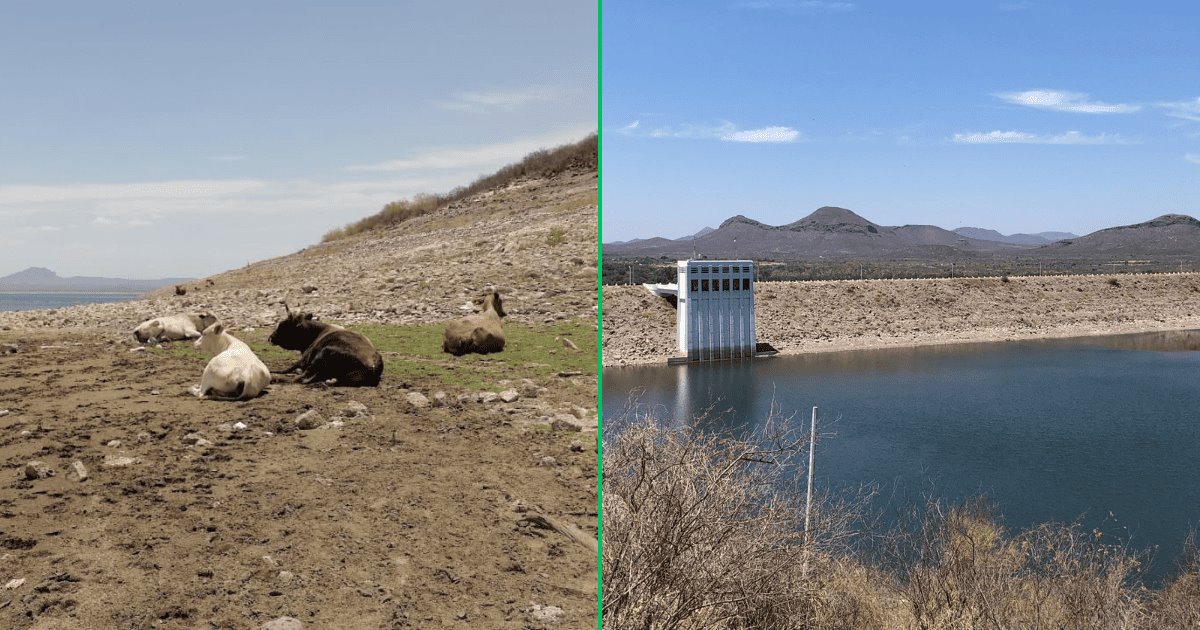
(567, 343)
(548, 461)
(155, 392)
(81, 471)
(287, 577)
(120, 462)
(570, 373)
(4, 412)
(509, 395)
(282, 623)
(488, 397)
(239, 426)
(8, 349)
(519, 507)
(580, 412)
(308, 288)
(38, 470)
(545, 614)
(439, 399)
(563, 422)
(355, 409)
(14, 584)
(576, 446)
(138, 349)
(310, 419)
(418, 400)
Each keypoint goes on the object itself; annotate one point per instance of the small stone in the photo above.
(519, 507)
(548, 461)
(335, 423)
(14, 584)
(580, 412)
(310, 419)
(282, 623)
(567, 343)
(202, 443)
(81, 471)
(439, 399)
(287, 577)
(154, 392)
(7, 349)
(138, 349)
(308, 288)
(570, 373)
(563, 422)
(488, 397)
(509, 395)
(239, 426)
(4, 412)
(355, 409)
(121, 462)
(546, 614)
(38, 470)
(191, 438)
(418, 400)
(576, 446)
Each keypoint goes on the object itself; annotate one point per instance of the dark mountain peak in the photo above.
(833, 219)
(1163, 221)
(741, 218)
(33, 274)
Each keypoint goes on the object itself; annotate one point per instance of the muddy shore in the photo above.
(828, 316)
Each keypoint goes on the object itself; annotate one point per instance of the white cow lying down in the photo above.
(235, 372)
(174, 327)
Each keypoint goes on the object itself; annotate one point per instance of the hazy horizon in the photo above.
(160, 140)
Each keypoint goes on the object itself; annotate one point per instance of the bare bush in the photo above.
(704, 531)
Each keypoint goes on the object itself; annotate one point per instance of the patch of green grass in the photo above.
(413, 354)
(529, 352)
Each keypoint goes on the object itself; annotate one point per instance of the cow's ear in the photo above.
(218, 328)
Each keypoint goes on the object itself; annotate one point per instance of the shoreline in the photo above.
(805, 317)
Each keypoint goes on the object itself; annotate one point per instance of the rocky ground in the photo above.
(127, 503)
(821, 316)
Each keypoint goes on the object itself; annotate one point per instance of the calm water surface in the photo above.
(19, 301)
(1107, 429)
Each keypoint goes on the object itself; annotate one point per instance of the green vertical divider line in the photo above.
(599, 314)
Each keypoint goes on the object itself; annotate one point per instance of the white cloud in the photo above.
(1060, 101)
(1023, 137)
(476, 157)
(766, 134)
(102, 220)
(805, 6)
(631, 126)
(503, 100)
(1194, 158)
(1187, 110)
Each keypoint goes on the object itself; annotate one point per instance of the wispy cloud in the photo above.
(631, 126)
(801, 6)
(502, 100)
(1194, 158)
(476, 157)
(728, 132)
(1023, 137)
(766, 134)
(1060, 101)
(1186, 110)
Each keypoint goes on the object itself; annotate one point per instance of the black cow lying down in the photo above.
(328, 351)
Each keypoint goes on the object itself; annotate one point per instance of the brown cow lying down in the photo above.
(481, 332)
(174, 327)
(328, 351)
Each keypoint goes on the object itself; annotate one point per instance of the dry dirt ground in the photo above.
(396, 515)
(823, 316)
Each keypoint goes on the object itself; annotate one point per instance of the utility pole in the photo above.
(812, 454)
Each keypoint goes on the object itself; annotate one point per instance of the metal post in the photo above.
(812, 440)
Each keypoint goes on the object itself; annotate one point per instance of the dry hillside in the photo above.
(424, 502)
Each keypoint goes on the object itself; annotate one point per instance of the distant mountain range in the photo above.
(837, 233)
(42, 279)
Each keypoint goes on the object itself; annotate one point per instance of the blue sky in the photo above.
(149, 139)
(1017, 116)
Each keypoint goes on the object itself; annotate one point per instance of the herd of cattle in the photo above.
(328, 353)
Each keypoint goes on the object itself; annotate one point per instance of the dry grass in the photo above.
(706, 531)
(541, 163)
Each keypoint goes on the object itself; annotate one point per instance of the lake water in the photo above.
(1107, 429)
(28, 301)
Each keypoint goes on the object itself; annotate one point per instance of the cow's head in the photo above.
(210, 341)
(148, 330)
(206, 319)
(492, 301)
(297, 331)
